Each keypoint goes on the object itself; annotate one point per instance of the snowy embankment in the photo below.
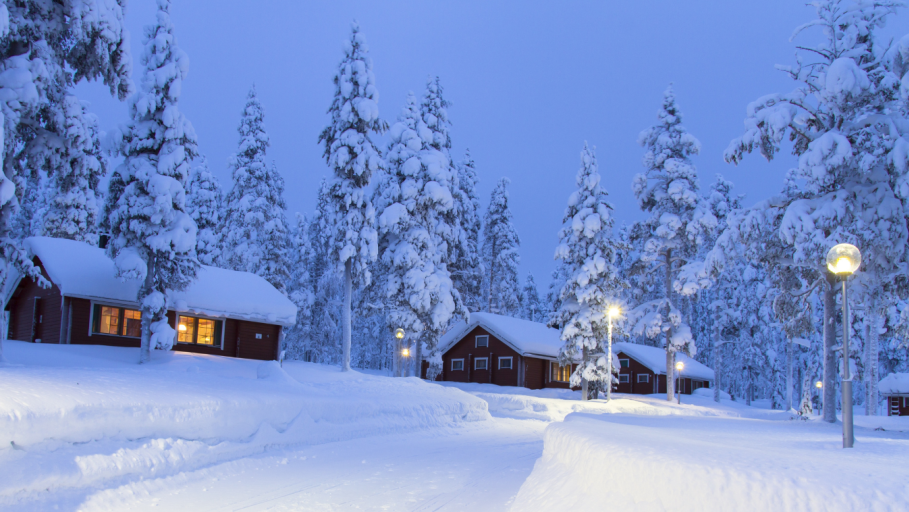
(79, 416)
(699, 462)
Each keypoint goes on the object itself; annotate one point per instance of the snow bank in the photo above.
(90, 414)
(685, 463)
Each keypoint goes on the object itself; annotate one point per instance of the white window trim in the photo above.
(478, 359)
(188, 315)
(559, 366)
(461, 369)
(110, 304)
(625, 359)
(627, 378)
(647, 376)
(510, 364)
(477, 341)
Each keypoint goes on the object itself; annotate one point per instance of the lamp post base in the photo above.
(848, 437)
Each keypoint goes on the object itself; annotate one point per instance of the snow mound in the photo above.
(707, 392)
(685, 463)
(272, 371)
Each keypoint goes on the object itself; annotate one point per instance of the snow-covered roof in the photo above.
(655, 360)
(84, 271)
(894, 384)
(525, 337)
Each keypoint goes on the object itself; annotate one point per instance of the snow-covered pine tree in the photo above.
(153, 236)
(589, 251)
(74, 208)
(678, 223)
(844, 119)
(500, 254)
(300, 288)
(255, 226)
(46, 48)
(467, 268)
(325, 335)
(415, 206)
(204, 198)
(532, 307)
(353, 157)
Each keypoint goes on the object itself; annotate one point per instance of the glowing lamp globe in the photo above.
(844, 259)
(405, 352)
(679, 366)
(614, 311)
(399, 333)
(819, 384)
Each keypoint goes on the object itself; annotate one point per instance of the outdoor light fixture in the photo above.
(843, 260)
(819, 384)
(399, 333)
(182, 327)
(405, 352)
(612, 313)
(678, 367)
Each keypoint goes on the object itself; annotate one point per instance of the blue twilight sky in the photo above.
(529, 82)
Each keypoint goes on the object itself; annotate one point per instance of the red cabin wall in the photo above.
(467, 350)
(47, 315)
(898, 406)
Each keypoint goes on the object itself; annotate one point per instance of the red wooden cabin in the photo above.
(506, 351)
(642, 371)
(222, 312)
(895, 388)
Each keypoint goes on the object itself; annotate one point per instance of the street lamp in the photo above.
(399, 335)
(819, 385)
(612, 313)
(678, 366)
(843, 260)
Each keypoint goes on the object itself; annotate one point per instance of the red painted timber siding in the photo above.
(535, 372)
(48, 313)
(898, 406)
(467, 350)
(634, 369)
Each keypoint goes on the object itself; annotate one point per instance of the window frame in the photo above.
(646, 378)
(625, 363)
(555, 369)
(219, 330)
(459, 360)
(510, 362)
(477, 341)
(477, 360)
(626, 377)
(94, 318)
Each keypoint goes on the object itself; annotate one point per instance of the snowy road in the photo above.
(476, 468)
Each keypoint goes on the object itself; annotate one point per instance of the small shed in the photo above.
(895, 388)
(642, 370)
(506, 351)
(222, 312)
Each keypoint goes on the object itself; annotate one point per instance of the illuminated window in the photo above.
(116, 321)
(199, 331)
(561, 373)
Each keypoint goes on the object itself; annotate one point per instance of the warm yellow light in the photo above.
(844, 259)
(182, 327)
(405, 352)
(614, 311)
(399, 333)
(819, 384)
(679, 366)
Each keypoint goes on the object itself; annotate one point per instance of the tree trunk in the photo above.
(147, 314)
(872, 338)
(418, 360)
(584, 385)
(717, 363)
(4, 326)
(789, 350)
(829, 403)
(345, 320)
(670, 355)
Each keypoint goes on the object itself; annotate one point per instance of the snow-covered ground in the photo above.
(85, 428)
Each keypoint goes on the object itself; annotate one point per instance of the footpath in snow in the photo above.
(74, 419)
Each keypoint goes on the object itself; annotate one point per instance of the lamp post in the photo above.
(678, 366)
(843, 260)
(819, 385)
(399, 335)
(612, 313)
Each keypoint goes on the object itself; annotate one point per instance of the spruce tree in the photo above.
(678, 225)
(533, 309)
(353, 157)
(204, 200)
(467, 267)
(255, 227)
(300, 288)
(589, 252)
(153, 235)
(500, 254)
